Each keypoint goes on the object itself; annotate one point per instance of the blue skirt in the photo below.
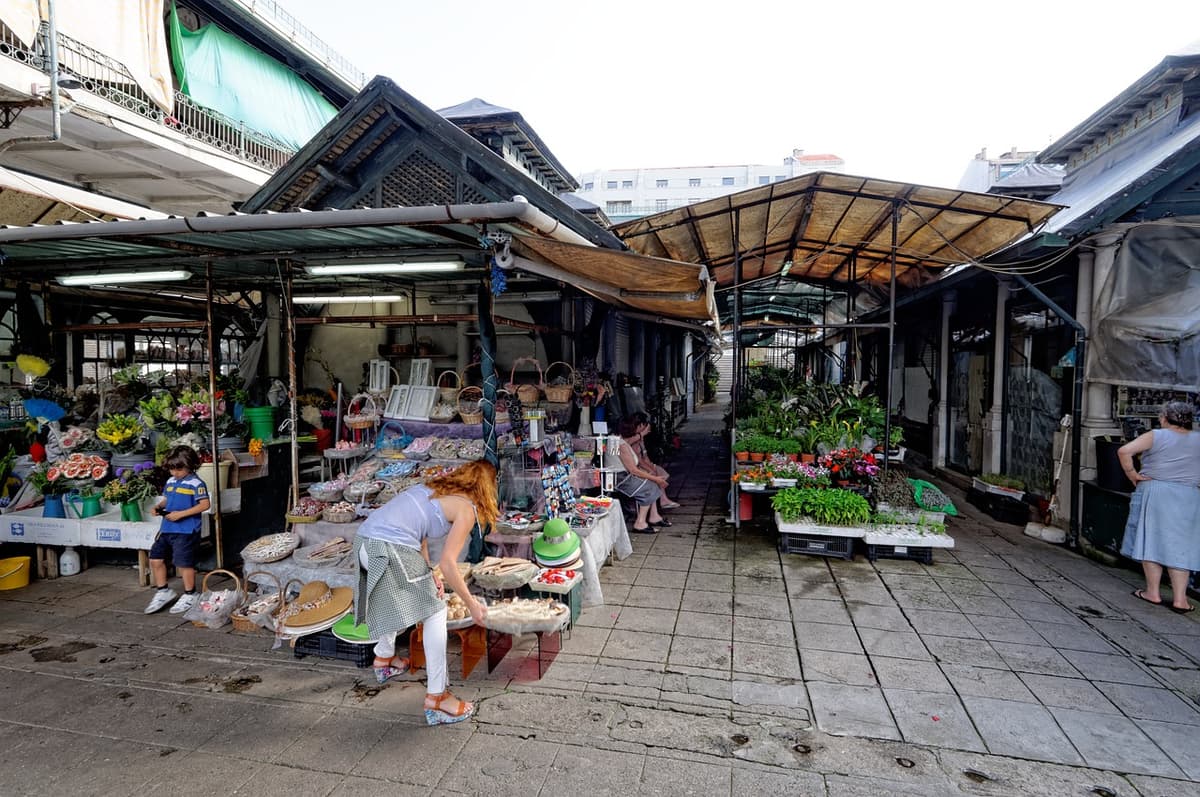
(1164, 525)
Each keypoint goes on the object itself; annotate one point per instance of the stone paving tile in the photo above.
(911, 582)
(834, 667)
(942, 623)
(884, 617)
(1178, 742)
(759, 783)
(809, 590)
(898, 644)
(1110, 741)
(1140, 643)
(1045, 612)
(711, 582)
(842, 709)
(987, 682)
(827, 636)
(503, 765)
(659, 621)
(754, 585)
(702, 565)
(1076, 693)
(648, 577)
(1025, 730)
(664, 777)
(1020, 593)
(637, 645)
(1034, 658)
(1150, 703)
(665, 562)
(651, 597)
(759, 606)
(578, 769)
(1186, 682)
(705, 625)
(987, 605)
(950, 570)
(965, 586)
(1106, 667)
(963, 651)
(618, 575)
(814, 611)
(998, 575)
(712, 602)
(1006, 629)
(866, 595)
(701, 653)
(922, 676)
(932, 718)
(772, 660)
(769, 632)
(1072, 637)
(923, 599)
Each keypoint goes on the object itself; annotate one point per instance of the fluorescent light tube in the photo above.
(346, 299)
(414, 267)
(124, 277)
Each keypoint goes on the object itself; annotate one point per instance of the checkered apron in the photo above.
(396, 590)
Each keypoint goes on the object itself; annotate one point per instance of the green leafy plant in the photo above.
(827, 507)
(1000, 480)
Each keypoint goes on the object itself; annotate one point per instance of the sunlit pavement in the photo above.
(716, 666)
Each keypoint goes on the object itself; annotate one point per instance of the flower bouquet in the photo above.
(121, 434)
(131, 487)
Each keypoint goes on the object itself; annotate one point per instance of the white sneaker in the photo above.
(161, 598)
(184, 603)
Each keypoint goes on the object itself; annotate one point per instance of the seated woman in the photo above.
(639, 448)
(638, 482)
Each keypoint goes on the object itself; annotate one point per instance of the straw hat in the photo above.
(317, 604)
(556, 543)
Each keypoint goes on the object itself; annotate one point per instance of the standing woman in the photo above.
(396, 585)
(1164, 511)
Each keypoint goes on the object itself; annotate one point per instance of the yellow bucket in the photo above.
(14, 572)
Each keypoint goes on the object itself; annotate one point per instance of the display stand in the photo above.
(474, 639)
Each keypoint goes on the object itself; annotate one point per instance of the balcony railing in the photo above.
(291, 27)
(110, 80)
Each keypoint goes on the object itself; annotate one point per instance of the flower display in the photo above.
(76, 438)
(851, 464)
(132, 484)
(78, 471)
(256, 447)
(191, 413)
(121, 434)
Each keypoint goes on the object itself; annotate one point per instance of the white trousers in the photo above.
(434, 638)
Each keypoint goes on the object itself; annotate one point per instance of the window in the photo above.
(660, 183)
(660, 204)
(611, 184)
(726, 181)
(693, 182)
(627, 183)
(763, 179)
(780, 177)
(622, 207)
(588, 186)
(102, 353)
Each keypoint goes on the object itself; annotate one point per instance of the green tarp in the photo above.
(224, 74)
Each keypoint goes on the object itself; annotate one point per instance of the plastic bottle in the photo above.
(68, 563)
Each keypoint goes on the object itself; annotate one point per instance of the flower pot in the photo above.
(742, 456)
(757, 456)
(808, 459)
(54, 507)
(214, 478)
(131, 511)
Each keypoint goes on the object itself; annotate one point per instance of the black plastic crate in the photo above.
(327, 646)
(923, 554)
(816, 545)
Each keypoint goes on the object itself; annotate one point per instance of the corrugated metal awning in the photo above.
(836, 229)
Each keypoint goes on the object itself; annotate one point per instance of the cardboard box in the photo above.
(109, 531)
(28, 525)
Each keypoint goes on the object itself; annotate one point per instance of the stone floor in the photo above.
(716, 666)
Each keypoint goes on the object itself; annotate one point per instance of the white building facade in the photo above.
(625, 194)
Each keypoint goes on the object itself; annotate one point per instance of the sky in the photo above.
(902, 91)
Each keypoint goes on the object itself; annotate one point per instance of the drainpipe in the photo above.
(1076, 397)
(55, 108)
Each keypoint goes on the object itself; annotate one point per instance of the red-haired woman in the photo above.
(396, 585)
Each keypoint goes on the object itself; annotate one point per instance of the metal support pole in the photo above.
(887, 409)
(290, 317)
(487, 363)
(210, 333)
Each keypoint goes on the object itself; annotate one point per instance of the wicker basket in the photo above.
(290, 518)
(469, 409)
(363, 416)
(560, 394)
(237, 585)
(328, 495)
(271, 548)
(448, 394)
(528, 394)
(338, 517)
(242, 622)
(502, 397)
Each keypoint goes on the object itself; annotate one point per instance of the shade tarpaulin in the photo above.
(1146, 324)
(127, 31)
(223, 73)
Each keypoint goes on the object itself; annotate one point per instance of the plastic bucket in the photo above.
(213, 477)
(14, 572)
(261, 421)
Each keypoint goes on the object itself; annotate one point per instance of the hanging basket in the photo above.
(502, 397)
(528, 394)
(448, 394)
(561, 393)
(469, 404)
(361, 412)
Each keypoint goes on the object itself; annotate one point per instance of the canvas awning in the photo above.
(836, 229)
(25, 199)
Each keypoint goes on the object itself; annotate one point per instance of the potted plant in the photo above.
(808, 438)
(131, 487)
(789, 447)
(822, 507)
(1000, 484)
(851, 466)
(48, 479)
(741, 449)
(752, 479)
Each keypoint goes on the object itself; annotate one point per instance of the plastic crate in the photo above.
(816, 545)
(923, 554)
(325, 645)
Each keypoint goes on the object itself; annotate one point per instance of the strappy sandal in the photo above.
(436, 715)
(390, 668)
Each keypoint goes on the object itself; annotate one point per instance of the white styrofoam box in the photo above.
(810, 528)
(28, 525)
(1008, 492)
(906, 537)
(109, 531)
